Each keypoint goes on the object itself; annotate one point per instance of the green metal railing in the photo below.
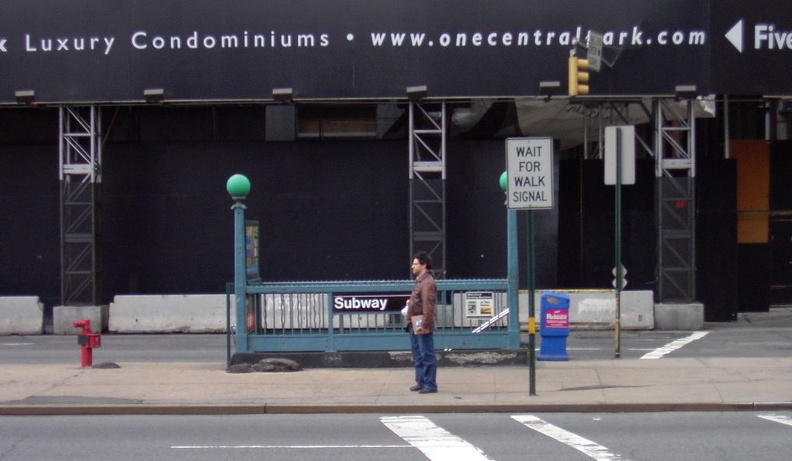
(302, 316)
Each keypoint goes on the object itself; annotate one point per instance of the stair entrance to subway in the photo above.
(327, 316)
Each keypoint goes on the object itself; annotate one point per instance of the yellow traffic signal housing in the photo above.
(578, 76)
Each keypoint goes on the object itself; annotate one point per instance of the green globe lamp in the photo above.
(238, 186)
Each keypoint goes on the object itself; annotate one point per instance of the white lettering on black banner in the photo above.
(369, 302)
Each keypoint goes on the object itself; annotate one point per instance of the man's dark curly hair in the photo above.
(424, 258)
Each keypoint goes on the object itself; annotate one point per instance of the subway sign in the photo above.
(369, 302)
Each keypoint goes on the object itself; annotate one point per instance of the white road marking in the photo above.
(295, 447)
(435, 442)
(778, 419)
(585, 446)
(674, 345)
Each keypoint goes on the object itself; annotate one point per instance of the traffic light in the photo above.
(578, 76)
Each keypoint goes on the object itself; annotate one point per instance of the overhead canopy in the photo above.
(567, 121)
(216, 50)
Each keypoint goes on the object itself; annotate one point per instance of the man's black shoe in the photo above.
(427, 391)
(415, 388)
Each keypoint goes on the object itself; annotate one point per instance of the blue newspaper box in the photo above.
(554, 326)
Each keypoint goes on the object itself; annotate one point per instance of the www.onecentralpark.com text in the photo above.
(634, 37)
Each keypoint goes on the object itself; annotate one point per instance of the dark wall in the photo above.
(780, 223)
(586, 223)
(329, 210)
(334, 210)
(30, 222)
(586, 229)
(717, 251)
(476, 215)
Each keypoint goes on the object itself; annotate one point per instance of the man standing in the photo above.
(421, 324)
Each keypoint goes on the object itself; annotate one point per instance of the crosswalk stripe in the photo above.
(778, 419)
(586, 446)
(674, 345)
(435, 442)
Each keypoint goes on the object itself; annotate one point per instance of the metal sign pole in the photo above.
(617, 242)
(528, 182)
(531, 268)
(619, 170)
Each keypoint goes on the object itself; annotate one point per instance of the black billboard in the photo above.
(113, 50)
(751, 47)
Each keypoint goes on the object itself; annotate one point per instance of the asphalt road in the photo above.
(720, 340)
(770, 337)
(438, 437)
(47, 349)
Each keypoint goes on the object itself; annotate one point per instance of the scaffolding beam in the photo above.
(80, 160)
(675, 193)
(427, 151)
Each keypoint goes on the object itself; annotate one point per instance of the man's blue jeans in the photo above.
(423, 353)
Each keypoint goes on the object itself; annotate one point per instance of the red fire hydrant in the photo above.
(87, 341)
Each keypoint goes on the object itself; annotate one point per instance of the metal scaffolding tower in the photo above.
(80, 160)
(427, 138)
(674, 149)
(675, 173)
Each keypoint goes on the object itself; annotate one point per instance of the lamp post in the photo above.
(238, 187)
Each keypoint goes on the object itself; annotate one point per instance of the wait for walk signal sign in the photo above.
(529, 171)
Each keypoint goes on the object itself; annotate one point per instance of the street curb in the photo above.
(274, 409)
(388, 359)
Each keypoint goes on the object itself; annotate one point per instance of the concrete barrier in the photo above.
(63, 318)
(21, 315)
(169, 314)
(207, 313)
(688, 316)
(595, 309)
(589, 309)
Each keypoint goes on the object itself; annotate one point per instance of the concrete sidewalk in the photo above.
(716, 384)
